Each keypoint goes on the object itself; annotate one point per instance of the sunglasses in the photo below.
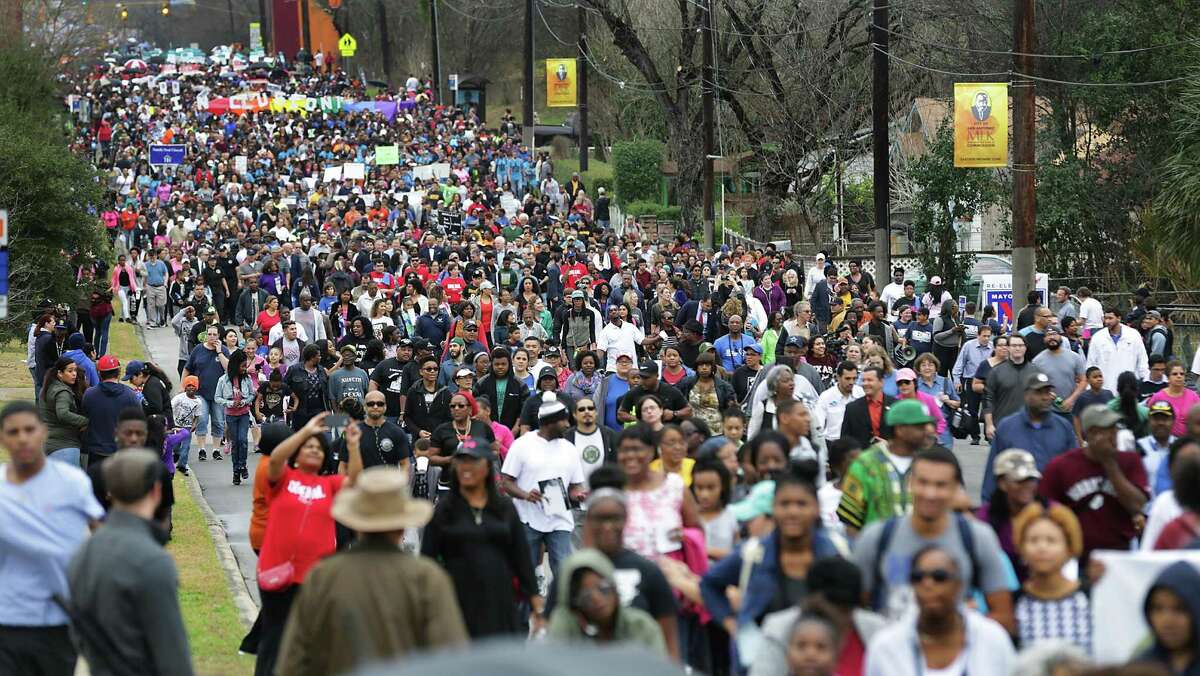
(429, 370)
(583, 409)
(374, 404)
(458, 405)
(939, 575)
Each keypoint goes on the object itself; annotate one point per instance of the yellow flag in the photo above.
(980, 124)
(560, 83)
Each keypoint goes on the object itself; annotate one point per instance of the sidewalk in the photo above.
(231, 505)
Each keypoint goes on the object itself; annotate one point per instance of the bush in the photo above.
(637, 170)
(647, 208)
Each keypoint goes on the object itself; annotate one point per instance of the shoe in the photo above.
(216, 455)
(245, 473)
(185, 471)
(237, 480)
(202, 456)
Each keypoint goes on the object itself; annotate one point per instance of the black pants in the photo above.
(972, 401)
(273, 616)
(36, 651)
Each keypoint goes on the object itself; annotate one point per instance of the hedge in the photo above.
(637, 170)
(648, 208)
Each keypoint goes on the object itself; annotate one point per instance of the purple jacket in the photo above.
(773, 301)
(174, 441)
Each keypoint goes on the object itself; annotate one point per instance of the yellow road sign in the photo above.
(347, 45)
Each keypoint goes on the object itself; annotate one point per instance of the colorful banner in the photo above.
(256, 43)
(980, 124)
(560, 83)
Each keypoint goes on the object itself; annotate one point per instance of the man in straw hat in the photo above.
(343, 595)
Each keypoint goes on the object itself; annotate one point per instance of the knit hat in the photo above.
(75, 341)
(551, 408)
(191, 380)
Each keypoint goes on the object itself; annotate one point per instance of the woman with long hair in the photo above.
(156, 391)
(707, 394)
(1049, 537)
(821, 359)
(1135, 417)
(343, 312)
(673, 454)
(476, 535)
(586, 378)
(359, 334)
(779, 385)
(1177, 394)
(60, 406)
(300, 529)
(520, 367)
(235, 392)
(381, 311)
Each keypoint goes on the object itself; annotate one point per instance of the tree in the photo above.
(1177, 206)
(945, 195)
(50, 193)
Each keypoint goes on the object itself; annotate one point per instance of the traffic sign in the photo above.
(453, 82)
(167, 153)
(347, 45)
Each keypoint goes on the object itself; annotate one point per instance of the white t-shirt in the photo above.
(551, 467)
(186, 410)
(617, 340)
(1092, 313)
(591, 451)
(890, 294)
(831, 409)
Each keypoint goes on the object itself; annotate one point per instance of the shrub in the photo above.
(637, 170)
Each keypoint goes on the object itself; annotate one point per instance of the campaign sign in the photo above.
(451, 223)
(171, 154)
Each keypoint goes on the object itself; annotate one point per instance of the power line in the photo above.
(1011, 74)
(996, 52)
(456, 10)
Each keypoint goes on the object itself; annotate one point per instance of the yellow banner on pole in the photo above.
(980, 124)
(560, 83)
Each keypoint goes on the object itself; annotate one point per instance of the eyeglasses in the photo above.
(583, 409)
(458, 405)
(939, 575)
(373, 404)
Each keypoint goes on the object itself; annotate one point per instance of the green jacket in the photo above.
(873, 490)
(59, 409)
(633, 624)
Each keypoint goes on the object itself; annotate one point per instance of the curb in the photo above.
(246, 608)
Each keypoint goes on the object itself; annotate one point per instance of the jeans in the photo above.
(210, 411)
(558, 544)
(69, 456)
(100, 339)
(182, 461)
(239, 427)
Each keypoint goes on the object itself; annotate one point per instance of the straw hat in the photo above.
(379, 502)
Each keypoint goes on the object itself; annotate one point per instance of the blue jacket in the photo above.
(1049, 440)
(102, 404)
(763, 583)
(85, 364)
(434, 329)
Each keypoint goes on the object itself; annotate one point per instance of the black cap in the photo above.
(547, 372)
(693, 326)
(404, 342)
(648, 368)
(474, 447)
(420, 343)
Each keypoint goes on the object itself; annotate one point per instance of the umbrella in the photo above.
(135, 64)
(519, 658)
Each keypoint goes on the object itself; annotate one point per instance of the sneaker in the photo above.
(237, 480)
(245, 473)
(202, 456)
(216, 455)
(185, 471)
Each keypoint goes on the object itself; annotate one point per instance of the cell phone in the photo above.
(337, 423)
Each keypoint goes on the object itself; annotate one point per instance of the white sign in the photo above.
(3, 227)
(333, 174)
(453, 82)
(1118, 625)
(428, 171)
(3, 307)
(354, 170)
(239, 164)
(997, 291)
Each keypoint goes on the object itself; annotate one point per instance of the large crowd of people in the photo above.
(482, 408)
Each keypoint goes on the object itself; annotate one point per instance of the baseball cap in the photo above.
(470, 325)
(1162, 408)
(133, 368)
(404, 342)
(1098, 415)
(935, 281)
(547, 372)
(624, 355)
(1154, 313)
(753, 347)
(1036, 380)
(552, 352)
(212, 310)
(908, 412)
(578, 294)
(758, 503)
(648, 368)
(693, 326)
(1052, 329)
(108, 363)
(795, 341)
(191, 380)
(1016, 464)
(463, 372)
(474, 447)
(906, 374)
(349, 349)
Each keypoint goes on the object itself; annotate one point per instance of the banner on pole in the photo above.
(256, 42)
(980, 124)
(560, 83)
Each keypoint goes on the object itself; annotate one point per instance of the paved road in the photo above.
(231, 504)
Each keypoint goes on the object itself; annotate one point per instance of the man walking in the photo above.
(102, 404)
(156, 290)
(831, 405)
(1117, 349)
(46, 508)
(1034, 428)
(1003, 391)
(124, 586)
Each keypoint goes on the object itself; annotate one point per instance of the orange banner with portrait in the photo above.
(981, 124)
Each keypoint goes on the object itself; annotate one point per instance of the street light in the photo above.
(166, 9)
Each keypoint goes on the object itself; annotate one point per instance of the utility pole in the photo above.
(264, 24)
(706, 89)
(437, 54)
(881, 148)
(306, 39)
(1024, 205)
(527, 113)
(582, 93)
(385, 40)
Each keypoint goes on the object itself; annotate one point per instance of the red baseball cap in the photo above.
(108, 363)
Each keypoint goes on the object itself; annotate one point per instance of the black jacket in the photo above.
(608, 441)
(244, 314)
(691, 310)
(856, 423)
(419, 415)
(514, 399)
(156, 399)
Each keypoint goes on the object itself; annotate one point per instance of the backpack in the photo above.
(885, 538)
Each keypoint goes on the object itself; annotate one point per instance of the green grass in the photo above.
(214, 630)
